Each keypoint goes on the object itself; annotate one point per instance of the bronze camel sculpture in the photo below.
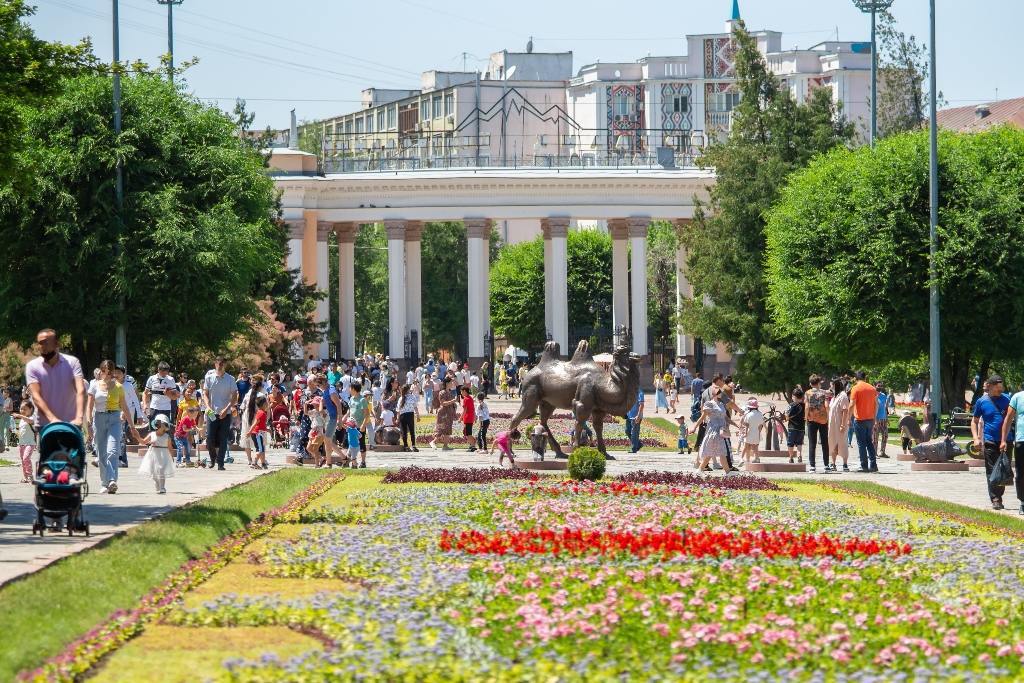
(581, 385)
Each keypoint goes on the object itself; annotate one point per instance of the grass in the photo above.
(46, 610)
(5, 463)
(1015, 524)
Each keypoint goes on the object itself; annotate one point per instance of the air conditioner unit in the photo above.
(418, 127)
(542, 140)
(451, 118)
(568, 140)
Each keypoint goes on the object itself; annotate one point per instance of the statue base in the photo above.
(772, 454)
(905, 457)
(776, 467)
(939, 467)
(974, 462)
(542, 464)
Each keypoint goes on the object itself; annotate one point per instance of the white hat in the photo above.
(161, 418)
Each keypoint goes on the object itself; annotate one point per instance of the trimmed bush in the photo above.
(586, 463)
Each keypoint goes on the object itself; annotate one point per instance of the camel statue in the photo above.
(918, 433)
(580, 385)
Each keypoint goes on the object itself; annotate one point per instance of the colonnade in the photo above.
(308, 252)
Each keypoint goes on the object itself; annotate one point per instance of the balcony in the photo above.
(408, 161)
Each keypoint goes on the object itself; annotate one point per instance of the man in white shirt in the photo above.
(410, 376)
(160, 390)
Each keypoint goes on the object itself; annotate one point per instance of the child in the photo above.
(751, 425)
(257, 433)
(501, 442)
(483, 418)
(388, 433)
(795, 421)
(317, 426)
(538, 441)
(673, 396)
(352, 432)
(186, 426)
(682, 442)
(468, 418)
(295, 439)
(158, 463)
(903, 433)
(26, 439)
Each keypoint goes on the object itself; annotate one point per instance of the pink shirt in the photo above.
(57, 385)
(501, 440)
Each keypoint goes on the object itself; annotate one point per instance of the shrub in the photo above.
(586, 463)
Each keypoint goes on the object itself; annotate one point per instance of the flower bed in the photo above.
(121, 626)
(636, 581)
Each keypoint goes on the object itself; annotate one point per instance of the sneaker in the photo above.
(362, 465)
(734, 469)
(433, 445)
(715, 466)
(472, 449)
(104, 490)
(882, 455)
(845, 468)
(861, 470)
(415, 450)
(162, 490)
(221, 468)
(874, 469)
(997, 504)
(94, 462)
(1021, 511)
(813, 470)
(732, 473)
(112, 487)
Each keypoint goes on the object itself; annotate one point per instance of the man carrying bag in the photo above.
(987, 430)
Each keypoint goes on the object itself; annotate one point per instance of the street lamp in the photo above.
(934, 338)
(873, 6)
(170, 33)
(597, 306)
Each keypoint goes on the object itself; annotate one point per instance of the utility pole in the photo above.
(934, 338)
(873, 6)
(120, 341)
(170, 33)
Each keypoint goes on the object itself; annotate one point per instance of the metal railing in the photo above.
(411, 162)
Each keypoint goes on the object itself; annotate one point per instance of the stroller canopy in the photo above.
(62, 437)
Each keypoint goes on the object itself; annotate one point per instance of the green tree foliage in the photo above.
(31, 73)
(312, 135)
(902, 72)
(371, 286)
(198, 228)
(517, 285)
(661, 279)
(771, 137)
(848, 254)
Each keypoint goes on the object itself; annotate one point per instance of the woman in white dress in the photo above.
(839, 423)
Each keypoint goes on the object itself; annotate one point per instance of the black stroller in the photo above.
(60, 479)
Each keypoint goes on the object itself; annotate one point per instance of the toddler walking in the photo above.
(26, 439)
(158, 462)
(682, 442)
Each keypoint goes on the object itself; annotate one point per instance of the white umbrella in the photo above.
(603, 358)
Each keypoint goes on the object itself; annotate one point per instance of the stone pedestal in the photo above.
(776, 467)
(905, 457)
(974, 462)
(772, 454)
(542, 464)
(939, 467)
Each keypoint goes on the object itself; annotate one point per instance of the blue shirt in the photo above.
(243, 389)
(992, 411)
(882, 398)
(332, 409)
(636, 406)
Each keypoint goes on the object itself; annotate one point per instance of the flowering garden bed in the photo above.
(549, 580)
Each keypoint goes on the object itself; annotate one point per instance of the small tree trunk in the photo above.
(955, 367)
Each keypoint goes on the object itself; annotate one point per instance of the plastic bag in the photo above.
(1002, 472)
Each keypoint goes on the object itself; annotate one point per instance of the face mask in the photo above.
(49, 356)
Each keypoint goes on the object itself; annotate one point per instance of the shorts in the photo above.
(795, 437)
(331, 428)
(257, 442)
(353, 437)
(467, 429)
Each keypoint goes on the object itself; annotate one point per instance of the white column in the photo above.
(638, 277)
(478, 231)
(560, 283)
(323, 315)
(346, 234)
(619, 229)
(414, 283)
(297, 228)
(546, 230)
(396, 289)
(684, 343)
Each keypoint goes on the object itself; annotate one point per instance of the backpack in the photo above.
(696, 408)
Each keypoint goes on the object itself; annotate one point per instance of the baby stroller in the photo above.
(60, 478)
(282, 425)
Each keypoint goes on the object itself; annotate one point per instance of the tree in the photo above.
(312, 139)
(31, 73)
(848, 244)
(661, 279)
(771, 137)
(371, 285)
(199, 227)
(902, 71)
(589, 270)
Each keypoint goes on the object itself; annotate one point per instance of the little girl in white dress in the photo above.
(158, 462)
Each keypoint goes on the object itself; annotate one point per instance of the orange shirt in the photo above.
(864, 398)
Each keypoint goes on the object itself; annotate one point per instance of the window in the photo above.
(369, 122)
(723, 101)
(424, 110)
(436, 102)
(380, 119)
(436, 146)
(348, 127)
(680, 103)
(449, 104)
(392, 117)
(359, 126)
(623, 103)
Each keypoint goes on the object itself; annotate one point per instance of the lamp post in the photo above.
(873, 6)
(120, 337)
(934, 338)
(598, 306)
(170, 33)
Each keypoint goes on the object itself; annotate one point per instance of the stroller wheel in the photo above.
(87, 528)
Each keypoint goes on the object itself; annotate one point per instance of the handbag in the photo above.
(1002, 473)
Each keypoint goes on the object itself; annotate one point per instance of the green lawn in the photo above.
(42, 613)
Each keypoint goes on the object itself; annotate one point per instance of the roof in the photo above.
(966, 118)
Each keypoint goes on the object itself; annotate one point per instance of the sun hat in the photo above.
(752, 403)
(158, 419)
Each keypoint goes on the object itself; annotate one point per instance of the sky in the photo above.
(317, 55)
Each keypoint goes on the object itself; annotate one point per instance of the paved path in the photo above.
(136, 502)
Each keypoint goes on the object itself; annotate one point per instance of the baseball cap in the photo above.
(995, 379)
(680, 416)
